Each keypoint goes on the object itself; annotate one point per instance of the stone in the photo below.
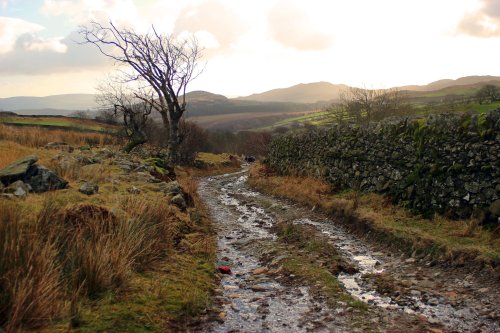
(89, 188)
(495, 207)
(17, 170)
(106, 153)
(259, 288)
(60, 145)
(18, 188)
(259, 271)
(179, 201)
(134, 190)
(87, 160)
(41, 179)
(172, 187)
(472, 187)
(2, 186)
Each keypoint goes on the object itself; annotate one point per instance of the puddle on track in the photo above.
(253, 303)
(260, 303)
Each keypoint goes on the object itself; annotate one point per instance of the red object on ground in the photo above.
(225, 269)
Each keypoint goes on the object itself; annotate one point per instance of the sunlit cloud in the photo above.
(290, 26)
(485, 22)
(211, 20)
(42, 45)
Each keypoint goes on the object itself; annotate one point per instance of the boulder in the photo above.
(16, 171)
(172, 187)
(42, 179)
(106, 153)
(179, 201)
(89, 188)
(18, 188)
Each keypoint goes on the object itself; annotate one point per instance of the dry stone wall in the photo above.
(443, 163)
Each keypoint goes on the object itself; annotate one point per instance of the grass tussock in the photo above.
(81, 249)
(30, 278)
(440, 238)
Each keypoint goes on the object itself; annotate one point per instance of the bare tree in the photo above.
(487, 92)
(365, 105)
(129, 106)
(165, 63)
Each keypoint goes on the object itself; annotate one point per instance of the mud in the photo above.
(253, 299)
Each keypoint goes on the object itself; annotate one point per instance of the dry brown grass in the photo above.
(49, 256)
(39, 137)
(30, 285)
(440, 237)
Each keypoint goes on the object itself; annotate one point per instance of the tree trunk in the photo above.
(173, 141)
(134, 141)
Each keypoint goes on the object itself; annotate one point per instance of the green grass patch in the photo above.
(322, 280)
(56, 122)
(176, 292)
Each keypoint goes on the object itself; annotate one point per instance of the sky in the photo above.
(258, 45)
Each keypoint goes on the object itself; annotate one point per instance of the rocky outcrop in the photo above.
(443, 163)
(17, 170)
(42, 179)
(24, 176)
(89, 188)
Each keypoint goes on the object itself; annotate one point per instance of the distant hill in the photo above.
(45, 112)
(300, 93)
(63, 102)
(257, 110)
(463, 81)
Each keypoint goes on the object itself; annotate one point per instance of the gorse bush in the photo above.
(61, 251)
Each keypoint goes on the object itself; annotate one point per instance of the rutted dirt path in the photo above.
(403, 294)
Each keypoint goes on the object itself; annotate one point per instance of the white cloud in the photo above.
(122, 12)
(42, 45)
(11, 29)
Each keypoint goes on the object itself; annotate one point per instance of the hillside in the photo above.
(264, 109)
(62, 102)
(463, 81)
(300, 93)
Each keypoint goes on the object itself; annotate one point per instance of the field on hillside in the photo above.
(325, 118)
(57, 123)
(243, 121)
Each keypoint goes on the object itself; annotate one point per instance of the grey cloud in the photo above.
(212, 16)
(77, 57)
(472, 23)
(290, 27)
(492, 8)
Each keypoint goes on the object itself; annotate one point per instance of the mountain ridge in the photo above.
(304, 93)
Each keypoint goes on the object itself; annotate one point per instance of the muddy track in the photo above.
(401, 292)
